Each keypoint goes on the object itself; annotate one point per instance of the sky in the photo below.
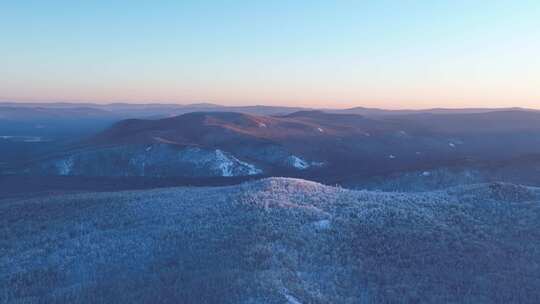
(338, 54)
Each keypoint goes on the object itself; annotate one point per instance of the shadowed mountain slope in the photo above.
(308, 144)
(201, 128)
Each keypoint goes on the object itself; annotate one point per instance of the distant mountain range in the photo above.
(320, 145)
(152, 110)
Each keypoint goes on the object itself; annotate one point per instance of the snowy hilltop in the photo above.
(274, 240)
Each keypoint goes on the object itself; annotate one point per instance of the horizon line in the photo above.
(210, 104)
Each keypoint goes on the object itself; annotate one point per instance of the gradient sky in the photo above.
(389, 54)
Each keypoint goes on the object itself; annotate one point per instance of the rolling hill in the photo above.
(273, 241)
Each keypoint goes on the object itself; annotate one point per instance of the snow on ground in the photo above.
(251, 169)
(32, 139)
(65, 166)
(322, 224)
(317, 164)
(224, 163)
(249, 243)
(27, 139)
(290, 299)
(228, 164)
(297, 162)
(150, 160)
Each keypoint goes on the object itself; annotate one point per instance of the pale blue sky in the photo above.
(393, 54)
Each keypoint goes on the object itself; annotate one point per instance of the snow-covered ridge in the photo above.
(231, 166)
(303, 234)
(157, 160)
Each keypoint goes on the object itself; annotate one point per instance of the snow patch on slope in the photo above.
(65, 166)
(318, 164)
(290, 299)
(228, 163)
(322, 224)
(224, 163)
(251, 169)
(297, 162)
(26, 139)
